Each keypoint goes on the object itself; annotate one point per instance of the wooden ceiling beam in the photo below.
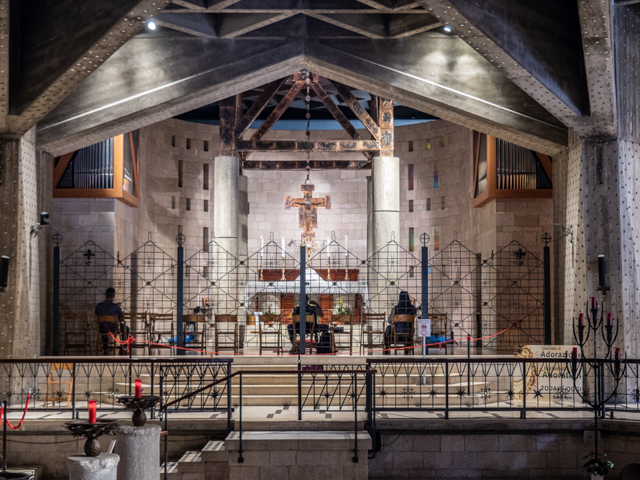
(358, 110)
(261, 102)
(333, 109)
(278, 111)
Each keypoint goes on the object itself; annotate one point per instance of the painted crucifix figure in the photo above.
(308, 213)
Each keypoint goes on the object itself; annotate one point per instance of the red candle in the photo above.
(581, 319)
(617, 354)
(92, 411)
(594, 303)
(610, 319)
(138, 388)
(574, 353)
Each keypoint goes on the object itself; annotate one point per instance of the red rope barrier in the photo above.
(131, 340)
(24, 414)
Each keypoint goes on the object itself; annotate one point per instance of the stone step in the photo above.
(191, 462)
(214, 451)
(172, 471)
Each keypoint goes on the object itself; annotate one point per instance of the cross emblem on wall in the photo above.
(308, 208)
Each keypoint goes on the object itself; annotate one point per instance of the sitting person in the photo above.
(404, 307)
(314, 310)
(110, 308)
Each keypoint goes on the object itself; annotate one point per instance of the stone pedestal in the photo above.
(139, 451)
(102, 467)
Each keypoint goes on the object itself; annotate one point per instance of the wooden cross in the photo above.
(308, 213)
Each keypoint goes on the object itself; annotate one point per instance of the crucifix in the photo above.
(308, 213)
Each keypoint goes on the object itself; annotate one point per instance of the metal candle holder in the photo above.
(139, 405)
(91, 431)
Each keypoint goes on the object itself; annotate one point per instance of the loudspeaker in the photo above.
(4, 271)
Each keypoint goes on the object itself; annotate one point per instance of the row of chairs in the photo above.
(81, 334)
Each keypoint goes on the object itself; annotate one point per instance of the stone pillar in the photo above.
(385, 200)
(139, 451)
(25, 191)
(226, 203)
(369, 215)
(102, 467)
(226, 226)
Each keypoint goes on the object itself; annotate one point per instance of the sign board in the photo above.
(424, 327)
(550, 378)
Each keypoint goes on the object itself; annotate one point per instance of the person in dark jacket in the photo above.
(109, 308)
(403, 307)
(313, 312)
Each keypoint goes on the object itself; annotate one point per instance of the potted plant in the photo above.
(270, 316)
(597, 465)
(342, 314)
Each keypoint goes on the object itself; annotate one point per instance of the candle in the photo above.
(594, 303)
(581, 319)
(574, 353)
(328, 248)
(346, 246)
(602, 270)
(138, 389)
(283, 247)
(92, 411)
(261, 244)
(617, 354)
(610, 319)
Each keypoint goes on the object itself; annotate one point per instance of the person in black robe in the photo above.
(403, 307)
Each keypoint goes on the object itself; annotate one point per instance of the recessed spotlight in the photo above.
(152, 25)
(447, 28)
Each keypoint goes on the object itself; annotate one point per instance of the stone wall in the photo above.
(492, 454)
(24, 194)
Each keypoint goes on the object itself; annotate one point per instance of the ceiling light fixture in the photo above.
(152, 25)
(447, 28)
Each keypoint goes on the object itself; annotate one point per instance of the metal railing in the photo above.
(67, 383)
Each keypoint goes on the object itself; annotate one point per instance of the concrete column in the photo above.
(25, 191)
(139, 450)
(385, 200)
(102, 467)
(226, 203)
(369, 215)
(227, 227)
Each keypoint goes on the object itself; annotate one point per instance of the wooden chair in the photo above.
(106, 342)
(403, 339)
(161, 330)
(139, 328)
(60, 375)
(344, 326)
(270, 336)
(226, 328)
(310, 325)
(195, 337)
(372, 332)
(76, 333)
(439, 327)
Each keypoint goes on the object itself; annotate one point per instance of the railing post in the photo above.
(180, 295)
(229, 409)
(303, 302)
(547, 289)
(446, 389)
(153, 411)
(355, 429)
(166, 424)
(74, 413)
(523, 414)
(56, 301)
(240, 457)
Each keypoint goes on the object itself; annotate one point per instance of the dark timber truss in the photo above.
(235, 122)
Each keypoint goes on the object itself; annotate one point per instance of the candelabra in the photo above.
(595, 326)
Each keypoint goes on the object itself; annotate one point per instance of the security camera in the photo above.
(44, 219)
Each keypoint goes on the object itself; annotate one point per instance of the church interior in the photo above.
(360, 239)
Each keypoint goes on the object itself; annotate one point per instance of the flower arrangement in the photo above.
(597, 463)
(269, 310)
(342, 310)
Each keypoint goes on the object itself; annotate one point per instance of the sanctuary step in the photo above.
(283, 454)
